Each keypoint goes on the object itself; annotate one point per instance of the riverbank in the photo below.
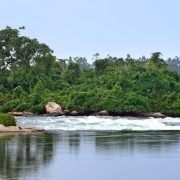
(8, 124)
(18, 129)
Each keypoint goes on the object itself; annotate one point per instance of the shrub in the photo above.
(38, 109)
(23, 107)
(10, 105)
(7, 120)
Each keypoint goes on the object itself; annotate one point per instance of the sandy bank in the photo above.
(18, 129)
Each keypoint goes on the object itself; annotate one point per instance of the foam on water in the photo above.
(67, 123)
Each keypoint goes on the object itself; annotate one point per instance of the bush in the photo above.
(23, 107)
(38, 109)
(10, 105)
(7, 120)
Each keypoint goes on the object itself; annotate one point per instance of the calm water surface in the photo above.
(90, 155)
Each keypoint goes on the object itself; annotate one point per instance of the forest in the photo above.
(31, 76)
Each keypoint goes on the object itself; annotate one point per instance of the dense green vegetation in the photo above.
(7, 120)
(30, 76)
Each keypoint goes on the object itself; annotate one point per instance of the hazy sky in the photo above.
(84, 27)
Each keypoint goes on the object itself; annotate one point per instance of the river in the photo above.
(92, 148)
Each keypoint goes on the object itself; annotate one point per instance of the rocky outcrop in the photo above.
(66, 112)
(102, 113)
(74, 113)
(155, 115)
(14, 113)
(18, 129)
(53, 109)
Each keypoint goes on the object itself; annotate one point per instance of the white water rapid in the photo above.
(68, 123)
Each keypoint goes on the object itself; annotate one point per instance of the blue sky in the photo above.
(84, 27)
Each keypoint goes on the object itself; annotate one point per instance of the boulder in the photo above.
(74, 113)
(102, 113)
(66, 112)
(155, 115)
(53, 108)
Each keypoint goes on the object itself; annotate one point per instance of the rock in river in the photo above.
(53, 108)
(102, 113)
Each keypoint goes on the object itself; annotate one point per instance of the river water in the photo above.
(92, 148)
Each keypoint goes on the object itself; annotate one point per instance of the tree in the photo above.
(72, 73)
(30, 76)
(156, 62)
(96, 56)
(19, 53)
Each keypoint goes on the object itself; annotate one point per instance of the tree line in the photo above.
(30, 76)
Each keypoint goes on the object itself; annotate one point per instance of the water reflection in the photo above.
(25, 153)
(74, 140)
(127, 141)
(154, 141)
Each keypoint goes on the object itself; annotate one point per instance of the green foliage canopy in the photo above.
(30, 76)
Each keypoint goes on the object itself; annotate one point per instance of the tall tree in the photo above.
(156, 61)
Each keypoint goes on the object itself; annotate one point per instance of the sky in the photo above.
(109, 27)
